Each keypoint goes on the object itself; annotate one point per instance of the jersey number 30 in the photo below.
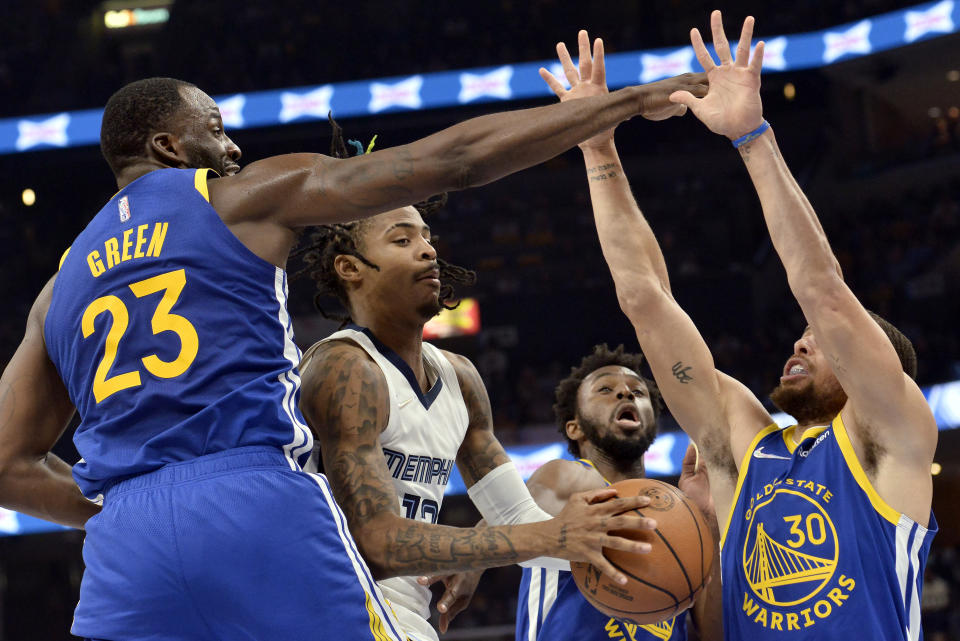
(171, 284)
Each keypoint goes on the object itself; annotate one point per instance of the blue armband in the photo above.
(753, 135)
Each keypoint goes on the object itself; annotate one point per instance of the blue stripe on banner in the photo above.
(503, 83)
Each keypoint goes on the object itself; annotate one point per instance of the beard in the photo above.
(200, 158)
(807, 404)
(620, 449)
(430, 309)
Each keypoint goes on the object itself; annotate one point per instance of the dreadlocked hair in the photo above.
(565, 407)
(326, 242)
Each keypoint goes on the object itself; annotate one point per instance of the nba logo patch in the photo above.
(124, 206)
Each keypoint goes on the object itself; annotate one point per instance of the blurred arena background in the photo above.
(874, 138)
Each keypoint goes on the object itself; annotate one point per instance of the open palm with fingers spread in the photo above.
(590, 79)
(732, 105)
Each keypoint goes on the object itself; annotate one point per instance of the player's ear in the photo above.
(167, 148)
(573, 430)
(347, 268)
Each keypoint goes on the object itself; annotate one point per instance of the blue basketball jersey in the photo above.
(550, 606)
(172, 337)
(811, 551)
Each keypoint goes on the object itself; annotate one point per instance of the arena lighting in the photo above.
(464, 320)
(506, 82)
(789, 91)
(935, 468)
(136, 17)
(953, 75)
(29, 197)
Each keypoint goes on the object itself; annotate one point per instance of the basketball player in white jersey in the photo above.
(392, 415)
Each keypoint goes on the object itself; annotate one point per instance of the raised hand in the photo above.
(589, 80)
(581, 530)
(457, 595)
(732, 105)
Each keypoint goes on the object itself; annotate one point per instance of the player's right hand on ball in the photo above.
(583, 528)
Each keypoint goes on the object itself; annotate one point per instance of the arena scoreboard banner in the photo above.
(503, 83)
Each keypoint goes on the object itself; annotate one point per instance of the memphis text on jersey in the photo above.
(790, 557)
(418, 468)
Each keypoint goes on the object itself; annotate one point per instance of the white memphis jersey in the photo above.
(420, 445)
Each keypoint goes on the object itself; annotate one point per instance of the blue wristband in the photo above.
(753, 135)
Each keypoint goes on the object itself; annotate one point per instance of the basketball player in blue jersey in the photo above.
(166, 328)
(827, 523)
(607, 411)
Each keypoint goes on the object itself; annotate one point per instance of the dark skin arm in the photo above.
(296, 190)
(345, 402)
(34, 412)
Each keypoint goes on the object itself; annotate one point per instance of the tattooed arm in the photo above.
(345, 401)
(306, 189)
(715, 410)
(890, 425)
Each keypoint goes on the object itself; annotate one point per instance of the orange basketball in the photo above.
(664, 582)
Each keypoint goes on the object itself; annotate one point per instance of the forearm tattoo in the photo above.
(599, 173)
(421, 548)
(682, 373)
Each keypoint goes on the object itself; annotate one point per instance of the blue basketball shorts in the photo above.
(233, 545)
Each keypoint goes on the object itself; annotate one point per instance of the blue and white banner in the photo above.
(503, 83)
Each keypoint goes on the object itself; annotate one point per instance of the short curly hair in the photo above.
(133, 113)
(565, 408)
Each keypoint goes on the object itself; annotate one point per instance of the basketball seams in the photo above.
(696, 522)
(623, 604)
(675, 556)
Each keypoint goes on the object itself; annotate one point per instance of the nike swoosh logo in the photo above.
(403, 404)
(759, 453)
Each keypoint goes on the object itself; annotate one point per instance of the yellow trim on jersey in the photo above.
(769, 429)
(200, 182)
(376, 623)
(811, 432)
(589, 463)
(63, 258)
(853, 463)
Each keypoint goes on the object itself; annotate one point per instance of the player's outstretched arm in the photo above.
(704, 402)
(308, 189)
(881, 397)
(34, 411)
(345, 401)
